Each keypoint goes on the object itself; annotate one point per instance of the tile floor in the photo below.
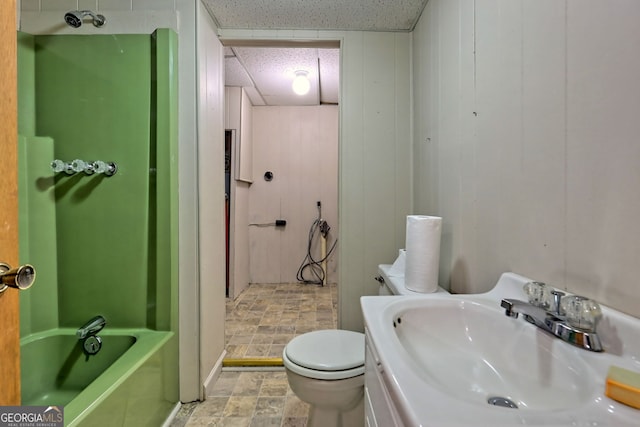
(246, 399)
(258, 324)
(265, 317)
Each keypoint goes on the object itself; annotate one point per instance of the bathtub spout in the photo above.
(92, 327)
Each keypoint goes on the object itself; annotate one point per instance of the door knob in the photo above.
(19, 278)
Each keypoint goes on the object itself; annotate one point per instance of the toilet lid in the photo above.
(327, 350)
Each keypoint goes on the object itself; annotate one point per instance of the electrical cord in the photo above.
(309, 263)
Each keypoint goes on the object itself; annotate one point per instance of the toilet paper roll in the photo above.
(423, 253)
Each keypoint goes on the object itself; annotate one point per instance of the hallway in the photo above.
(265, 317)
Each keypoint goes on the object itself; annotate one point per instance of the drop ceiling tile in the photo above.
(364, 15)
(235, 74)
(272, 71)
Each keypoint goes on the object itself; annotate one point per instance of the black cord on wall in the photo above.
(311, 265)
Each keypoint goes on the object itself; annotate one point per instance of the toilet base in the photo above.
(325, 417)
(338, 403)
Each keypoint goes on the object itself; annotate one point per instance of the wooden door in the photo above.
(9, 307)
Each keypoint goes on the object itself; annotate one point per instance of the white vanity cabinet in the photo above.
(379, 409)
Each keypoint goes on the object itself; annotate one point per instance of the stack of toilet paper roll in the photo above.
(422, 257)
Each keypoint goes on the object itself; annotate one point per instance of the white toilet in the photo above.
(326, 369)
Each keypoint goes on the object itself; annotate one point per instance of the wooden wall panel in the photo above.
(300, 146)
(374, 195)
(603, 153)
(541, 178)
(211, 215)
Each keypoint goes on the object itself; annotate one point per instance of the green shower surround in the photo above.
(95, 110)
(26, 85)
(114, 244)
(37, 225)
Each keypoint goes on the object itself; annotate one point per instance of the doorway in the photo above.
(294, 166)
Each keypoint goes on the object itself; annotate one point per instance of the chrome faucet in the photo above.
(87, 334)
(553, 321)
(92, 327)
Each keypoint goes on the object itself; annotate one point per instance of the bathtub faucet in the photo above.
(92, 327)
(87, 334)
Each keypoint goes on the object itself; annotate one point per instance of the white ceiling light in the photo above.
(301, 84)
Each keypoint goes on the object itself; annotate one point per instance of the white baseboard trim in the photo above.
(172, 415)
(212, 377)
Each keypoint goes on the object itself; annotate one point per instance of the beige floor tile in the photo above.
(269, 406)
(240, 406)
(294, 422)
(203, 422)
(295, 408)
(238, 351)
(211, 408)
(275, 350)
(257, 350)
(247, 385)
(284, 338)
(236, 422)
(223, 387)
(259, 323)
(274, 387)
(240, 339)
(266, 421)
(262, 339)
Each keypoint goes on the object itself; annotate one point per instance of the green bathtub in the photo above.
(121, 385)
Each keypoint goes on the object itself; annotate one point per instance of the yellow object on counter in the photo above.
(623, 385)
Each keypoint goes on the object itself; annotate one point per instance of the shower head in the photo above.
(75, 17)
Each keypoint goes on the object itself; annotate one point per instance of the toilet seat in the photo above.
(331, 354)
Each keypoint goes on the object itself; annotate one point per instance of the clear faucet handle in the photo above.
(99, 166)
(78, 165)
(539, 294)
(58, 166)
(107, 168)
(581, 312)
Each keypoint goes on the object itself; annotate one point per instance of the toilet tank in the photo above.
(394, 285)
(383, 280)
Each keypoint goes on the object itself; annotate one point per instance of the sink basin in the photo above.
(444, 357)
(479, 353)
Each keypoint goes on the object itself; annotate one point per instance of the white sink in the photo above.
(481, 353)
(444, 356)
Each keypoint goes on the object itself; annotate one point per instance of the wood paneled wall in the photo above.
(526, 142)
(299, 145)
(375, 162)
